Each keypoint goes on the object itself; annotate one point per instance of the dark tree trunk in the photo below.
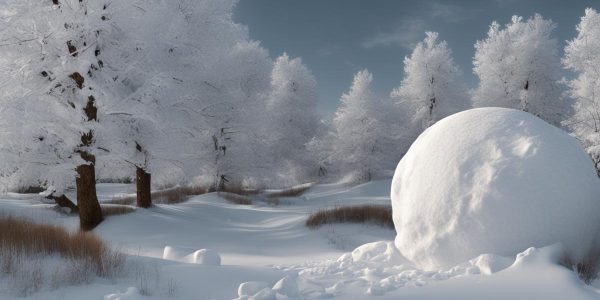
(90, 214)
(143, 183)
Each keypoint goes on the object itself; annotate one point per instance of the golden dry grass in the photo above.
(374, 214)
(239, 190)
(235, 198)
(295, 191)
(177, 194)
(167, 196)
(24, 237)
(30, 190)
(115, 209)
(121, 200)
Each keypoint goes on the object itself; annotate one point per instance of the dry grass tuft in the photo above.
(29, 238)
(115, 209)
(587, 270)
(177, 194)
(235, 198)
(240, 190)
(125, 180)
(167, 196)
(375, 214)
(121, 200)
(47, 239)
(30, 190)
(294, 191)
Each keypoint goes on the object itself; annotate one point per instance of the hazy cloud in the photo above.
(406, 35)
(327, 50)
(449, 13)
(411, 31)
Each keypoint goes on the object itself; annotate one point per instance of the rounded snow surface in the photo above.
(206, 257)
(493, 180)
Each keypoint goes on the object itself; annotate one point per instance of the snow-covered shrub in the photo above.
(493, 180)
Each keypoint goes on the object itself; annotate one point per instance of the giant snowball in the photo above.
(493, 180)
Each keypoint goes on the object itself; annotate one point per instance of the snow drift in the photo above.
(493, 180)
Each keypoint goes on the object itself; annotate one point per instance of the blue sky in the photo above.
(337, 38)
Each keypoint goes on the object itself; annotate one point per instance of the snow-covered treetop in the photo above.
(583, 52)
(291, 82)
(430, 89)
(518, 67)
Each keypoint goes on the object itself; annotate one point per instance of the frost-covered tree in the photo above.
(190, 92)
(293, 122)
(431, 89)
(210, 85)
(159, 83)
(582, 55)
(358, 133)
(319, 149)
(235, 115)
(518, 67)
(51, 98)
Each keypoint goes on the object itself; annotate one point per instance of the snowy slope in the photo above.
(265, 244)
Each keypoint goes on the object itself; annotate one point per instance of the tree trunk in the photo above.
(90, 214)
(142, 182)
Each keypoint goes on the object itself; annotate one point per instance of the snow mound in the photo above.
(287, 286)
(493, 180)
(378, 252)
(206, 257)
(488, 264)
(255, 289)
(376, 269)
(174, 253)
(131, 293)
(186, 254)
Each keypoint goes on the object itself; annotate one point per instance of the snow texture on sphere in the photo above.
(493, 180)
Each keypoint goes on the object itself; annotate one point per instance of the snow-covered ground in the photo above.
(269, 249)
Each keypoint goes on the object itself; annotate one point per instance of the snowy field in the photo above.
(272, 249)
